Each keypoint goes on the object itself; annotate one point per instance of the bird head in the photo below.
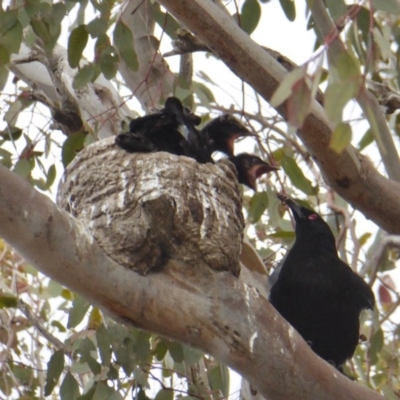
(223, 131)
(174, 106)
(249, 168)
(308, 222)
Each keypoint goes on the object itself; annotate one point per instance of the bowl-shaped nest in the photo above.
(143, 209)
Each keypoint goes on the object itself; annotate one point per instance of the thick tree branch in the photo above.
(349, 173)
(96, 104)
(153, 80)
(367, 101)
(213, 311)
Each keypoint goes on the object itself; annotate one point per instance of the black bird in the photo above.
(221, 133)
(172, 129)
(134, 143)
(249, 168)
(165, 119)
(319, 294)
(195, 146)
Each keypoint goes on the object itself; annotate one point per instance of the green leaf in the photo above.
(8, 19)
(341, 137)
(258, 204)
(54, 289)
(23, 374)
(191, 355)
(80, 368)
(93, 364)
(12, 113)
(176, 351)
(123, 40)
(71, 146)
(85, 75)
(80, 307)
(337, 95)
(69, 389)
(219, 379)
(366, 140)
(104, 344)
(364, 238)
(77, 41)
(12, 38)
(389, 393)
(165, 20)
(51, 176)
(347, 67)
(389, 6)
(296, 175)
(88, 395)
(107, 56)
(337, 8)
(3, 77)
(204, 94)
(383, 42)
(376, 346)
(86, 347)
(5, 158)
(122, 344)
(23, 168)
(102, 392)
(41, 29)
(250, 15)
(289, 9)
(95, 318)
(282, 235)
(8, 300)
(59, 326)
(115, 395)
(97, 27)
(285, 88)
(298, 104)
(55, 367)
(142, 347)
(161, 349)
(11, 133)
(58, 13)
(165, 395)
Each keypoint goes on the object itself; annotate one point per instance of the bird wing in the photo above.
(357, 289)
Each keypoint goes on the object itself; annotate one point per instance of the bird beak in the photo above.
(245, 132)
(261, 169)
(258, 170)
(296, 210)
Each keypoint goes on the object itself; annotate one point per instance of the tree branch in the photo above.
(213, 311)
(367, 101)
(153, 80)
(350, 174)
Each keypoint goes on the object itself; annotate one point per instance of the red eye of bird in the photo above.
(312, 216)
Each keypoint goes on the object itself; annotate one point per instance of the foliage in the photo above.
(65, 346)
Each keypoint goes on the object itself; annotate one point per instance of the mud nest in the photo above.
(144, 209)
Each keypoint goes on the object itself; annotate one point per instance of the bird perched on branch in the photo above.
(319, 294)
(221, 133)
(249, 168)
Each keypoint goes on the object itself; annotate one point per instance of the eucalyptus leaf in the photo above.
(55, 367)
(69, 388)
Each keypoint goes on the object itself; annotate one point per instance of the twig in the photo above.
(373, 263)
(24, 308)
